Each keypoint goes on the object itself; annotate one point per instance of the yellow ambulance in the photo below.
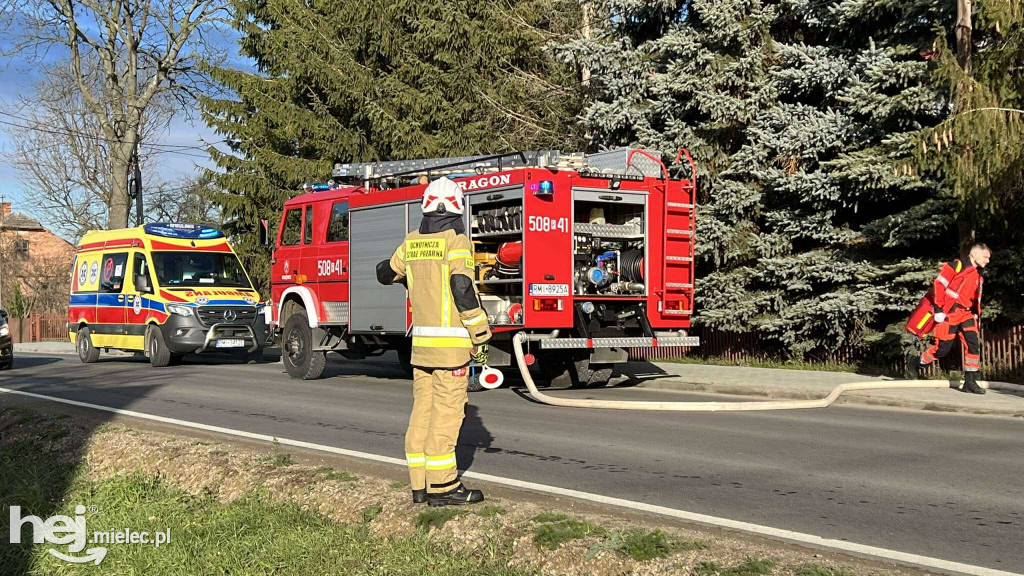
(165, 290)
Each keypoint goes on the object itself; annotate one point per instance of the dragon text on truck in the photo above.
(165, 290)
(592, 252)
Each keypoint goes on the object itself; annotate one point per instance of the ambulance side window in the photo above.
(292, 233)
(140, 267)
(337, 230)
(112, 271)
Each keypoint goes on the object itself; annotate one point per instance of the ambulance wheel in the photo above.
(300, 360)
(159, 354)
(87, 353)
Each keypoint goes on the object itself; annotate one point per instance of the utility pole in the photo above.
(135, 182)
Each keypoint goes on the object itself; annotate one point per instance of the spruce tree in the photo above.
(362, 80)
(811, 231)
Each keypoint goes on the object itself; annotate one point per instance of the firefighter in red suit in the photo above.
(957, 310)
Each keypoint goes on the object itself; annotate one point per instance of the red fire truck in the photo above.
(593, 251)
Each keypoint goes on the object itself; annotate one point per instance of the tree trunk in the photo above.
(964, 30)
(119, 206)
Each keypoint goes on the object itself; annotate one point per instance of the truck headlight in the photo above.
(179, 310)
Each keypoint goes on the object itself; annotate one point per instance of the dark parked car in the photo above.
(6, 346)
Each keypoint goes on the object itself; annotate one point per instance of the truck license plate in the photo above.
(549, 289)
(230, 343)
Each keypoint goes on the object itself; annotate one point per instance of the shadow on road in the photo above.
(473, 437)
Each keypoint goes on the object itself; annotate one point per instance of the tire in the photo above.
(254, 357)
(300, 360)
(404, 349)
(474, 382)
(159, 354)
(7, 366)
(577, 372)
(87, 353)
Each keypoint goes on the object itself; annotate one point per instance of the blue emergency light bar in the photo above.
(182, 231)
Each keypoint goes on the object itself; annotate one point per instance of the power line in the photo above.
(177, 149)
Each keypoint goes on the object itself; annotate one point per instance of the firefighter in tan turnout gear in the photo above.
(449, 327)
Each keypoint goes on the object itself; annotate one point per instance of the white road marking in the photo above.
(777, 533)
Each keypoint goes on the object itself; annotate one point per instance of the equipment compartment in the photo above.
(609, 246)
(496, 230)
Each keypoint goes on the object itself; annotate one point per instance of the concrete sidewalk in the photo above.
(755, 382)
(812, 384)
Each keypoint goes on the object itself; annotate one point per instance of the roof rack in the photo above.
(618, 162)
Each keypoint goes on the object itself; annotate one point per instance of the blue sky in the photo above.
(17, 78)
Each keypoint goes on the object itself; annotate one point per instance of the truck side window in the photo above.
(292, 233)
(309, 225)
(337, 230)
(112, 271)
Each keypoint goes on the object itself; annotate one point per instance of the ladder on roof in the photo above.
(617, 162)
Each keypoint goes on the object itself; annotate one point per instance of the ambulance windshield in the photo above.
(199, 269)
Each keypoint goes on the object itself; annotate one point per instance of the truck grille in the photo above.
(210, 315)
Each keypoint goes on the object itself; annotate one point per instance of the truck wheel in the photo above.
(159, 354)
(576, 373)
(87, 353)
(404, 349)
(300, 360)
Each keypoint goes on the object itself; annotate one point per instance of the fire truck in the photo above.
(589, 254)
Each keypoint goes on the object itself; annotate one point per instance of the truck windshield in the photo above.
(199, 269)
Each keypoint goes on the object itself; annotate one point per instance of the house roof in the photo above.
(18, 221)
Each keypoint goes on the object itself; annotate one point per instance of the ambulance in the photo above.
(165, 290)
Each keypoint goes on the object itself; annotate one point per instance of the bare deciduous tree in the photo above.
(122, 57)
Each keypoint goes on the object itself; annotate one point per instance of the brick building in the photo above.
(36, 260)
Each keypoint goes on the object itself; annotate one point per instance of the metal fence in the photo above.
(1002, 353)
(39, 328)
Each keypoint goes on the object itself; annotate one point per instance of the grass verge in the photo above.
(236, 510)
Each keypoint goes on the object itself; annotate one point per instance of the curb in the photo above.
(855, 398)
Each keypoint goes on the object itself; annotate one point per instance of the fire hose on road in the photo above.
(745, 406)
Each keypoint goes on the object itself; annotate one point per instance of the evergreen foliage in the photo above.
(812, 231)
(361, 80)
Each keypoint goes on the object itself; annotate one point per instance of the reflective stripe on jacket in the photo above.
(442, 335)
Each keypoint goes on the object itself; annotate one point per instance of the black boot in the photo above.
(913, 367)
(419, 496)
(457, 497)
(971, 383)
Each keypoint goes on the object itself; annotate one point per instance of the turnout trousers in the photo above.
(946, 333)
(439, 406)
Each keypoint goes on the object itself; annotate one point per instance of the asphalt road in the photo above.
(941, 485)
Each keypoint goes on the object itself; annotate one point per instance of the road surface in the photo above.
(941, 485)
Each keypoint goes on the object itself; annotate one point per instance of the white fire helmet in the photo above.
(443, 192)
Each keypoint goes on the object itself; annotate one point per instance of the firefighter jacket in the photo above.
(447, 319)
(958, 290)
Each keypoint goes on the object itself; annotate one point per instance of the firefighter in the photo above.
(449, 328)
(957, 309)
